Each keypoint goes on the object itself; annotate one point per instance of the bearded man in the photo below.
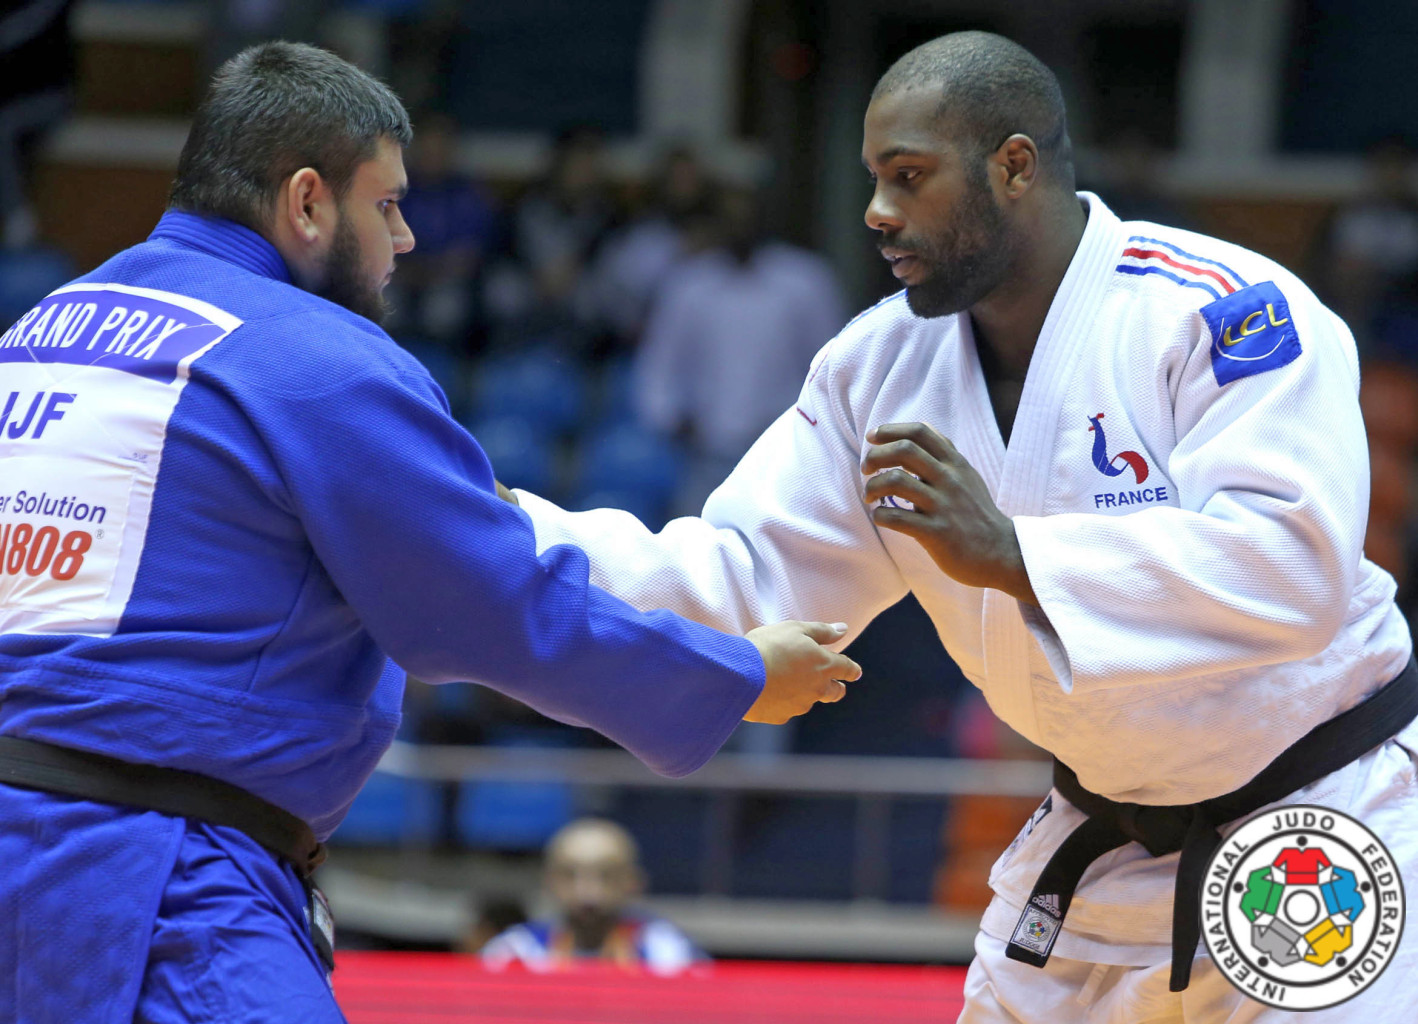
(1123, 469)
(227, 501)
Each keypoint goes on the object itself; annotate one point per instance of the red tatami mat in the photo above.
(437, 988)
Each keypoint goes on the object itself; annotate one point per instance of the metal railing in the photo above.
(874, 782)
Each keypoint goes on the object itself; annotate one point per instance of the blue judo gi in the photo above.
(225, 505)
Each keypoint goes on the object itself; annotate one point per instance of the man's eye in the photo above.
(908, 174)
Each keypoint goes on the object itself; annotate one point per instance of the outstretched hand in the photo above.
(799, 671)
(952, 515)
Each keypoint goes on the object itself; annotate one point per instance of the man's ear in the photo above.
(1018, 160)
(306, 205)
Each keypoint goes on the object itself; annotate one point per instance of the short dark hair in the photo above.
(990, 88)
(271, 110)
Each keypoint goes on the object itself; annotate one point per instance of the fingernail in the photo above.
(841, 627)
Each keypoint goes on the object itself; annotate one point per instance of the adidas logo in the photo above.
(1048, 902)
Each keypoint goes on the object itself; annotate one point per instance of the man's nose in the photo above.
(882, 215)
(403, 236)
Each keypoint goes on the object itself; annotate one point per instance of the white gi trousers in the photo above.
(1383, 795)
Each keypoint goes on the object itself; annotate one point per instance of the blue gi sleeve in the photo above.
(399, 505)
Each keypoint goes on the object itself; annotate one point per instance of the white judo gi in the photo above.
(1188, 476)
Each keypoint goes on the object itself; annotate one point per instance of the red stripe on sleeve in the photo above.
(1154, 254)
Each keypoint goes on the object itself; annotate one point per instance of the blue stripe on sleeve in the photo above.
(1124, 268)
(1191, 256)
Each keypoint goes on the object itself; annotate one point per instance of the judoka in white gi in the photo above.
(1155, 572)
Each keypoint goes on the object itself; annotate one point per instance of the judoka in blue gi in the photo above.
(227, 501)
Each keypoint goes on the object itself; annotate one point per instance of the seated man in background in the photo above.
(592, 874)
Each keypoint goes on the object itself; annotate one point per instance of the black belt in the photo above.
(31, 764)
(1192, 828)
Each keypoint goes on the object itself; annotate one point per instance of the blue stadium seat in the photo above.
(390, 811)
(628, 458)
(520, 451)
(540, 385)
(1394, 333)
(615, 402)
(648, 508)
(515, 815)
(28, 275)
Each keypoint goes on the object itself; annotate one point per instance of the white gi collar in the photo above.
(1027, 464)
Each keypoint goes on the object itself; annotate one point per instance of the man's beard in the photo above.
(344, 283)
(966, 261)
(591, 926)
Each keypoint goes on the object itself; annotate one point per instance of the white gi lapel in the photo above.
(976, 432)
(1029, 462)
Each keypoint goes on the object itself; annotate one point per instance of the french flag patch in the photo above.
(1146, 256)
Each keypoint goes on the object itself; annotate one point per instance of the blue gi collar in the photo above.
(224, 239)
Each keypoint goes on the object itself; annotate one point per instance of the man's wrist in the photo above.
(1020, 588)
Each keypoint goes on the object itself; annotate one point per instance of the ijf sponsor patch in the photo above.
(1038, 927)
(88, 381)
(1251, 332)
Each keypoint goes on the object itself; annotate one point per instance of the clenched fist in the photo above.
(799, 671)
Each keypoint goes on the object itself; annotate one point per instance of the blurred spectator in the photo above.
(36, 51)
(556, 229)
(456, 227)
(490, 918)
(592, 874)
(1369, 255)
(730, 339)
(636, 259)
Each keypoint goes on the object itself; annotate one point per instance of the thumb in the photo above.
(824, 632)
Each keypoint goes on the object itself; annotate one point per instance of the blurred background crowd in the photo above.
(636, 222)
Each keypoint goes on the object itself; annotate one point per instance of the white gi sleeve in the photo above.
(787, 536)
(1256, 566)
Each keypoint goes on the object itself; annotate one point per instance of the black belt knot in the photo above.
(1192, 829)
(1159, 829)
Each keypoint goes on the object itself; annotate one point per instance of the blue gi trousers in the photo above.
(110, 915)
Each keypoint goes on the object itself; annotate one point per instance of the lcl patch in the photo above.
(1251, 332)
